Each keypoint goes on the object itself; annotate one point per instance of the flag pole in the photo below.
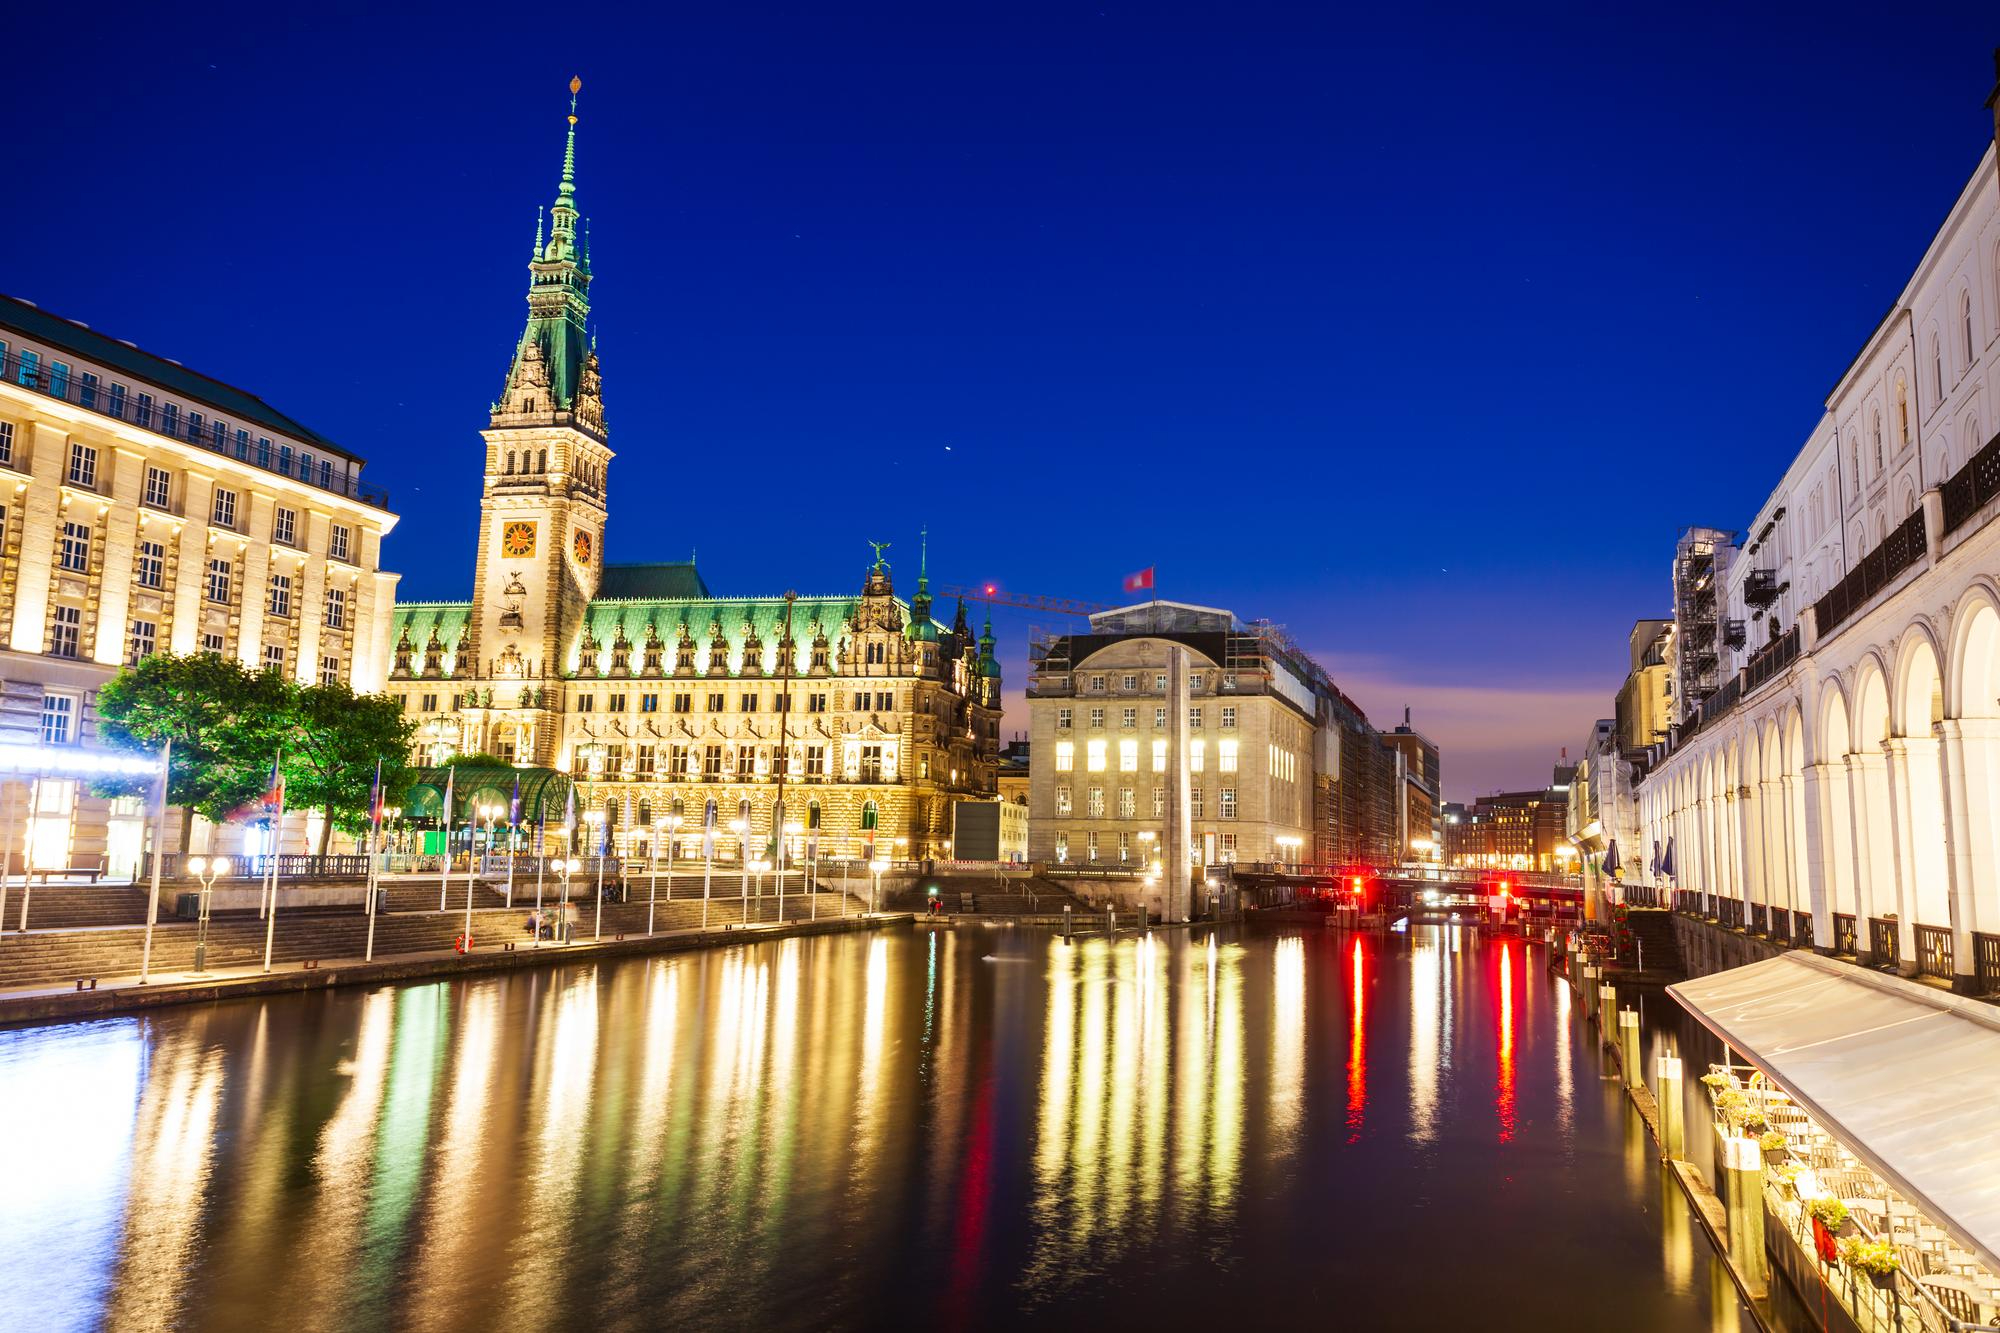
(444, 877)
(277, 822)
(374, 846)
(541, 859)
(159, 851)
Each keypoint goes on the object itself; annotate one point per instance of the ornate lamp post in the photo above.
(207, 869)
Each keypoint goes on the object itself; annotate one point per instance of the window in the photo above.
(152, 567)
(1062, 848)
(1225, 756)
(1229, 680)
(1194, 717)
(1062, 798)
(649, 703)
(746, 703)
(1128, 718)
(75, 555)
(280, 601)
(1093, 803)
(586, 703)
(1228, 717)
(329, 671)
(1092, 850)
(1093, 758)
(65, 631)
(1159, 717)
(144, 642)
(143, 414)
(1937, 370)
(218, 581)
(1965, 323)
(1065, 756)
(223, 514)
(1124, 846)
(336, 613)
(885, 701)
(31, 369)
(1097, 717)
(1229, 802)
(1097, 684)
(615, 704)
(871, 763)
(59, 378)
(815, 761)
(683, 703)
(243, 444)
(1065, 717)
(1228, 847)
(711, 762)
(194, 426)
(263, 451)
(211, 643)
(816, 703)
(1128, 804)
(88, 395)
(158, 483)
(1159, 756)
(7, 443)
(274, 657)
(1130, 682)
(646, 760)
(1128, 756)
(1902, 414)
(83, 466)
(1160, 681)
(58, 719)
(1197, 803)
(746, 761)
(1877, 426)
(117, 404)
(1195, 681)
(336, 545)
(285, 526)
(1197, 754)
(1159, 802)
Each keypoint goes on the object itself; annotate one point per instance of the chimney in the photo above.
(1406, 715)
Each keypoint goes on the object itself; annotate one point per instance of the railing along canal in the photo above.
(1986, 962)
(1882, 939)
(1934, 951)
(1844, 934)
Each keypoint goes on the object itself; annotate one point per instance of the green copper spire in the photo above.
(547, 374)
(921, 627)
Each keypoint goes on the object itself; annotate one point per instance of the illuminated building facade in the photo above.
(147, 508)
(868, 714)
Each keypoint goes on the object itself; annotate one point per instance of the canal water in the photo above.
(979, 1128)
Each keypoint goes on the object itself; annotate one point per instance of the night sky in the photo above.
(1419, 331)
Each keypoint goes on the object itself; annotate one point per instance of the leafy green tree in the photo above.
(333, 738)
(224, 722)
(477, 761)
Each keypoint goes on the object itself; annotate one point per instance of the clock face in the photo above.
(582, 547)
(518, 539)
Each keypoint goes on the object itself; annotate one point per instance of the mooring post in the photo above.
(1628, 1048)
(1743, 1162)
(1067, 919)
(1671, 1114)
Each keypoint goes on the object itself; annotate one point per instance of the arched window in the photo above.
(1902, 414)
(1937, 369)
(1965, 320)
(541, 460)
(1878, 441)
(510, 462)
(1973, 444)
(1854, 464)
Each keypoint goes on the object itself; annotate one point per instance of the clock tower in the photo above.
(542, 504)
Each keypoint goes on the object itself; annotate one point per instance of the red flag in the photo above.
(1141, 581)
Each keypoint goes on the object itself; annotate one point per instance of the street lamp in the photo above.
(207, 869)
(564, 867)
(741, 827)
(877, 866)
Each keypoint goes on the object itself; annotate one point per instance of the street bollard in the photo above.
(1607, 1014)
(1672, 1115)
(1142, 916)
(1588, 987)
(1628, 1048)
(1743, 1163)
(1111, 919)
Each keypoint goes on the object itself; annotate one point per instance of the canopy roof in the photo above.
(480, 784)
(1906, 1076)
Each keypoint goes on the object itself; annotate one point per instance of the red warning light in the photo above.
(1506, 890)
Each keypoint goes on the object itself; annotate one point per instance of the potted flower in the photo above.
(1774, 1144)
(1828, 1215)
(1713, 1079)
(1876, 1258)
(1753, 1122)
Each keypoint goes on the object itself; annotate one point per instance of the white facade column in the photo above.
(1785, 861)
(1961, 844)
(1874, 876)
(1819, 855)
(1752, 848)
(1901, 847)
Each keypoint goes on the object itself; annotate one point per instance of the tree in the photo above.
(224, 722)
(333, 739)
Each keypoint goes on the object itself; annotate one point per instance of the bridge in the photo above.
(1409, 888)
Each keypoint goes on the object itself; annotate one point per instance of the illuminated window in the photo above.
(1159, 756)
(285, 527)
(152, 566)
(223, 514)
(1097, 683)
(7, 443)
(158, 483)
(65, 631)
(1131, 682)
(1128, 805)
(1194, 716)
(1062, 847)
(336, 609)
(1065, 756)
(58, 719)
(1062, 799)
(1159, 717)
(1128, 718)
(145, 641)
(1225, 756)
(274, 657)
(338, 542)
(1064, 717)
(1092, 851)
(1160, 681)
(75, 555)
(1159, 802)
(1094, 757)
(1097, 717)
(1197, 802)
(1128, 756)
(1197, 754)
(1094, 802)
(280, 603)
(83, 466)
(1229, 802)
(1229, 717)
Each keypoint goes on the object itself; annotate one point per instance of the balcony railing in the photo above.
(1760, 588)
(1934, 951)
(1882, 940)
(1844, 937)
(1967, 490)
(1771, 659)
(1897, 552)
(15, 368)
(1986, 962)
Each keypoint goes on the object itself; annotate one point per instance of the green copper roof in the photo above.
(419, 618)
(557, 333)
(765, 615)
(666, 579)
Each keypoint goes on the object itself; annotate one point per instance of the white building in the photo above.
(1847, 769)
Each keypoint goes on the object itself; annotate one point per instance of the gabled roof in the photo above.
(79, 340)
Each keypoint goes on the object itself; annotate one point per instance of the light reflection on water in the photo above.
(970, 1128)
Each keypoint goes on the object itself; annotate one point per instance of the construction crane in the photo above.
(991, 593)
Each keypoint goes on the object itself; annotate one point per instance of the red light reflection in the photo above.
(1503, 1092)
(1357, 1054)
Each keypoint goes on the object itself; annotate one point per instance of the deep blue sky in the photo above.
(1420, 331)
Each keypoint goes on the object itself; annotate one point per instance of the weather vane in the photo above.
(880, 563)
(575, 87)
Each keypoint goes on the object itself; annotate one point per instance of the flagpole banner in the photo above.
(1141, 581)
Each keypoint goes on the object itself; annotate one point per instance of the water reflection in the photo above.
(913, 1128)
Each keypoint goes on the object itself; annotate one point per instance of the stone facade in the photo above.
(860, 713)
(153, 509)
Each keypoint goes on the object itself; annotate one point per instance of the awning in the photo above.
(1905, 1076)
